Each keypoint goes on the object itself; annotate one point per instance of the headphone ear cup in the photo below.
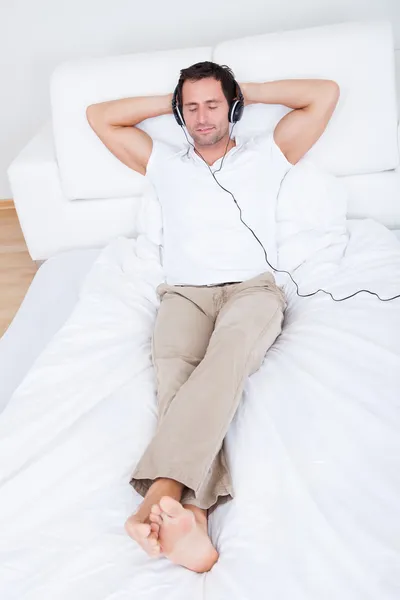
(238, 111)
(175, 108)
(181, 119)
(237, 106)
(232, 111)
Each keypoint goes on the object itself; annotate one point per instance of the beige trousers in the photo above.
(207, 340)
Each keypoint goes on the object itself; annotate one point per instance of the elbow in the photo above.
(90, 113)
(329, 94)
(94, 111)
(334, 89)
(96, 114)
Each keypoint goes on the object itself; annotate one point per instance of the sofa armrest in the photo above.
(49, 221)
(34, 181)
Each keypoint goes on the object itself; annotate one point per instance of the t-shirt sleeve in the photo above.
(274, 157)
(159, 156)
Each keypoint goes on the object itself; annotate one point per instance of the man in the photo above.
(220, 308)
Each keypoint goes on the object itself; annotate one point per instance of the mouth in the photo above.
(206, 130)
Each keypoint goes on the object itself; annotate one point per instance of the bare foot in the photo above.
(141, 527)
(143, 535)
(183, 537)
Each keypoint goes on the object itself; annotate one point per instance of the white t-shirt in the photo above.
(204, 240)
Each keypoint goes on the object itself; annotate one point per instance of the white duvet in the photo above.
(314, 448)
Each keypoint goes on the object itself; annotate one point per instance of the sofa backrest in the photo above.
(361, 137)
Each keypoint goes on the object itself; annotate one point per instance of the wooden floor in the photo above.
(17, 269)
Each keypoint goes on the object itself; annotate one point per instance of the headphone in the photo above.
(234, 115)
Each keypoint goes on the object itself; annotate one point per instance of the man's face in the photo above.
(205, 106)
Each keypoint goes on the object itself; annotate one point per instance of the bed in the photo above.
(319, 421)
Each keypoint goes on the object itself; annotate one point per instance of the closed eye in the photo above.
(210, 107)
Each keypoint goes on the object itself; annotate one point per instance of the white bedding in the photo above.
(314, 448)
(46, 306)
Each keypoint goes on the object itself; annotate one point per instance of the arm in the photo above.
(314, 101)
(113, 122)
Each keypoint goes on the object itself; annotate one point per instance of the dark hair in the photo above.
(205, 69)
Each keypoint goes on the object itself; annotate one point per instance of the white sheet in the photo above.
(48, 302)
(314, 448)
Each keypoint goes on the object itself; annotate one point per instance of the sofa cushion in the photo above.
(374, 196)
(361, 136)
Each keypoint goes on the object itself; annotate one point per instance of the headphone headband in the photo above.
(235, 109)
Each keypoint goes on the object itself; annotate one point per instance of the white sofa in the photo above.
(71, 192)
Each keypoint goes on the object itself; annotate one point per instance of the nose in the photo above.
(202, 117)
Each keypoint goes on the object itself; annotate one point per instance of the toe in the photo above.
(155, 527)
(138, 531)
(155, 510)
(143, 529)
(155, 552)
(155, 519)
(171, 507)
(153, 539)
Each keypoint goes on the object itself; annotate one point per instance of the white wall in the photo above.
(36, 35)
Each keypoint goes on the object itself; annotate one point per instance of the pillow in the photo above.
(361, 136)
(87, 168)
(310, 214)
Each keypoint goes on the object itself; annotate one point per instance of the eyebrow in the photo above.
(207, 102)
